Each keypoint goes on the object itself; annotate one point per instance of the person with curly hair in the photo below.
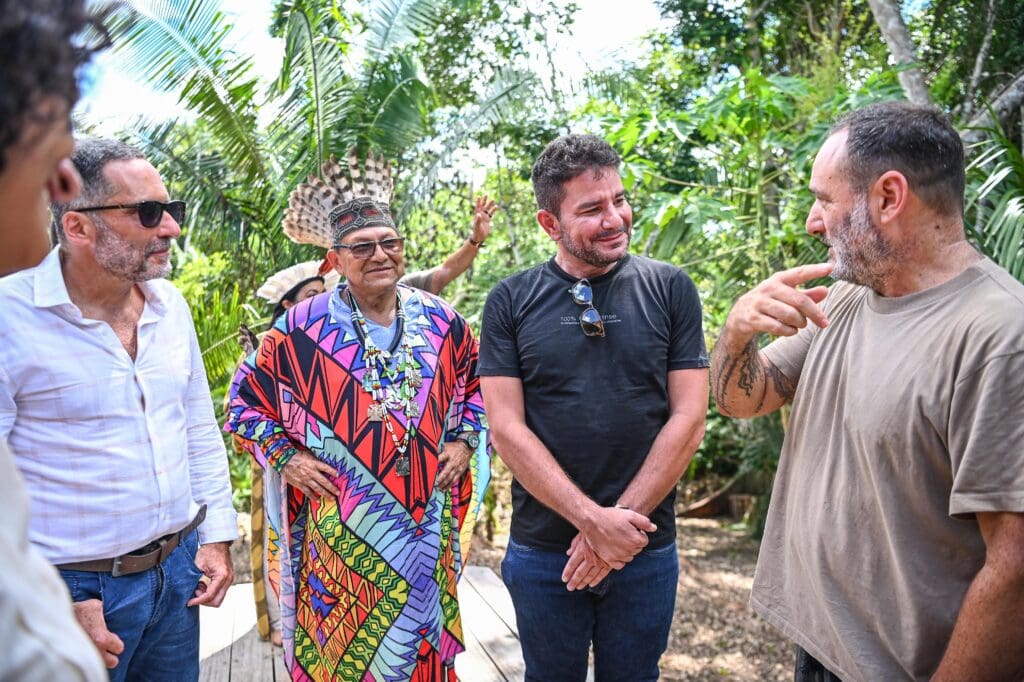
(40, 53)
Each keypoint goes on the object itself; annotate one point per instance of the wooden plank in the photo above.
(216, 667)
(216, 626)
(490, 588)
(229, 646)
(217, 634)
(473, 665)
(499, 642)
(280, 672)
(487, 583)
(251, 659)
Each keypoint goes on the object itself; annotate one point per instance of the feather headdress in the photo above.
(278, 284)
(323, 210)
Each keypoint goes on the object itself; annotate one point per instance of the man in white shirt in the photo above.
(105, 403)
(39, 638)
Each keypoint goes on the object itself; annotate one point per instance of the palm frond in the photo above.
(180, 46)
(395, 23)
(494, 106)
(995, 201)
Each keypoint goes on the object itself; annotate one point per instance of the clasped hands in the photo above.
(609, 541)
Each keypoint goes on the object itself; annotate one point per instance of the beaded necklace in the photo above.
(403, 380)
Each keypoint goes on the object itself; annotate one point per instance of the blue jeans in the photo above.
(147, 611)
(627, 617)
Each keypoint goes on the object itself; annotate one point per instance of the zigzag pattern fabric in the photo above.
(367, 578)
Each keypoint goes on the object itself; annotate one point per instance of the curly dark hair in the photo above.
(565, 158)
(42, 45)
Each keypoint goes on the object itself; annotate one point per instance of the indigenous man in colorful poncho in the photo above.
(364, 401)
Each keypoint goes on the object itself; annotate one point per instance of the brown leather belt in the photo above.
(143, 558)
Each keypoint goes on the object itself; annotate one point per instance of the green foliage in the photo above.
(737, 446)
(718, 127)
(217, 312)
(950, 36)
(995, 201)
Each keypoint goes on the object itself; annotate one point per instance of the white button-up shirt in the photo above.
(39, 636)
(114, 452)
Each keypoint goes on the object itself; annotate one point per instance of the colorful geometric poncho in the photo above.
(368, 579)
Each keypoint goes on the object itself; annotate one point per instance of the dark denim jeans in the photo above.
(627, 617)
(147, 611)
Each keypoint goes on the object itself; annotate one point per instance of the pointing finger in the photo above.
(817, 294)
(804, 273)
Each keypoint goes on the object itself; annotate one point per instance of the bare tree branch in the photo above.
(1004, 103)
(979, 61)
(901, 47)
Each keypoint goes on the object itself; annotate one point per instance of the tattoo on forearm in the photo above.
(782, 384)
(736, 371)
(750, 369)
(746, 372)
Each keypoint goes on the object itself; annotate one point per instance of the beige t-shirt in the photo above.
(908, 417)
(40, 640)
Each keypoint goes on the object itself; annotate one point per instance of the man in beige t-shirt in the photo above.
(894, 547)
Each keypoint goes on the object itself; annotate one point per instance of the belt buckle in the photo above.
(166, 547)
(115, 570)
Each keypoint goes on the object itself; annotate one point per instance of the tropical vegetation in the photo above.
(718, 123)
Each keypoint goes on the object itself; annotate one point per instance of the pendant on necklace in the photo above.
(402, 466)
(414, 377)
(412, 409)
(375, 413)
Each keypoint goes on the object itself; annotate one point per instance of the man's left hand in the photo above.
(584, 568)
(452, 463)
(214, 560)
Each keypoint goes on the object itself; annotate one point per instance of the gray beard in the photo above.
(868, 262)
(119, 258)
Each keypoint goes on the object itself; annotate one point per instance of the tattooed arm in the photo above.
(745, 383)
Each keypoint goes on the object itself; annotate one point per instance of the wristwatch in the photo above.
(470, 438)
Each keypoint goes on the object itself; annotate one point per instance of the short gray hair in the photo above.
(917, 140)
(90, 157)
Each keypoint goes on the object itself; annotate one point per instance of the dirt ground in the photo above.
(715, 635)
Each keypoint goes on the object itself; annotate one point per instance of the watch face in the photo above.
(472, 440)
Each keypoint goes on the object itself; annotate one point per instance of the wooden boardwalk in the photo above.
(230, 649)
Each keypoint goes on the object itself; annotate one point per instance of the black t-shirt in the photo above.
(597, 403)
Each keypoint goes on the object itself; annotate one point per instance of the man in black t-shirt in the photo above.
(594, 374)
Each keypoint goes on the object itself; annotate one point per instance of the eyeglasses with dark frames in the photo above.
(151, 213)
(590, 320)
(364, 250)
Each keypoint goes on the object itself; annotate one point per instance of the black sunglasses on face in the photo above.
(364, 250)
(150, 212)
(590, 320)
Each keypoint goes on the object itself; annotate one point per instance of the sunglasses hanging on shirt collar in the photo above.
(590, 320)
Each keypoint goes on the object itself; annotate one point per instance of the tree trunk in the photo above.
(979, 62)
(1003, 105)
(901, 47)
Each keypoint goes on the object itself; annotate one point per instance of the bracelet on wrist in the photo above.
(283, 458)
(477, 244)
